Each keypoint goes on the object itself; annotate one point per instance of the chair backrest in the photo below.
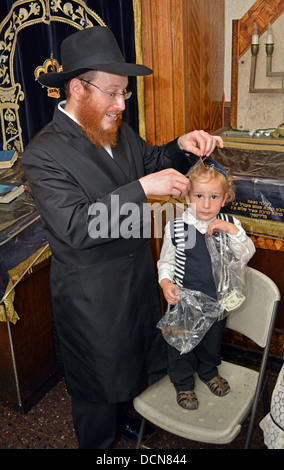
(253, 317)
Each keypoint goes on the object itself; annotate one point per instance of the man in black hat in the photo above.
(87, 170)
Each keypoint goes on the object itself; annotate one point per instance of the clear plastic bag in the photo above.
(185, 324)
(228, 272)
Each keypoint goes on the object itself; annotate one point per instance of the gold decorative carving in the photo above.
(49, 65)
(22, 14)
(25, 13)
(267, 243)
(9, 99)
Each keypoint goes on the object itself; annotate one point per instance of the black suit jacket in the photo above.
(104, 290)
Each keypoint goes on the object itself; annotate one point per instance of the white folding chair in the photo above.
(218, 419)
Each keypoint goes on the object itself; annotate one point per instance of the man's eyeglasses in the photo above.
(112, 96)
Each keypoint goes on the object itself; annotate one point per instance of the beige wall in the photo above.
(262, 110)
(254, 110)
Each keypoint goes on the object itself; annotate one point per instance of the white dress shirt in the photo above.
(240, 243)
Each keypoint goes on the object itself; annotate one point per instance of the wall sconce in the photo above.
(269, 47)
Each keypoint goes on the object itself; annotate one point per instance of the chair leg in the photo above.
(262, 376)
(141, 433)
(258, 393)
(266, 408)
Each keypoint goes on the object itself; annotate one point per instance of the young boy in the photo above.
(210, 189)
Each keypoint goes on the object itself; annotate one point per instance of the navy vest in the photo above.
(193, 268)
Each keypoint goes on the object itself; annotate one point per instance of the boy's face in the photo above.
(208, 197)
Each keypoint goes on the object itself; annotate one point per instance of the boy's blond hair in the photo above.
(208, 173)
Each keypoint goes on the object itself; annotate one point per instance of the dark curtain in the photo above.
(35, 43)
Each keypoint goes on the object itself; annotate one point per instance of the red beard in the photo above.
(90, 118)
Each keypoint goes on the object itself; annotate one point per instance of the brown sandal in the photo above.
(187, 399)
(218, 385)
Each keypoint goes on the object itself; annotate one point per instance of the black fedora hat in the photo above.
(92, 48)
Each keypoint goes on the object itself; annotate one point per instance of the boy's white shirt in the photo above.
(240, 243)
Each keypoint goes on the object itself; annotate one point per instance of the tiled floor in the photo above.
(48, 425)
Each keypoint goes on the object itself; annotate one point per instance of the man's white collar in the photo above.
(61, 107)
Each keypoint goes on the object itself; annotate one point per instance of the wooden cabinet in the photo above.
(27, 359)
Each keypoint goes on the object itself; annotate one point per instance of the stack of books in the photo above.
(7, 158)
(9, 192)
